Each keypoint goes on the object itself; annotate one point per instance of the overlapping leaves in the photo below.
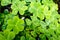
(15, 24)
(43, 23)
(19, 6)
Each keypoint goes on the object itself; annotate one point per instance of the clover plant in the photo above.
(29, 20)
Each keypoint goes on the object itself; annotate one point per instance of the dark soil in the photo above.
(59, 7)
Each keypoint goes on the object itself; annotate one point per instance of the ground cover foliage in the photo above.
(29, 20)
